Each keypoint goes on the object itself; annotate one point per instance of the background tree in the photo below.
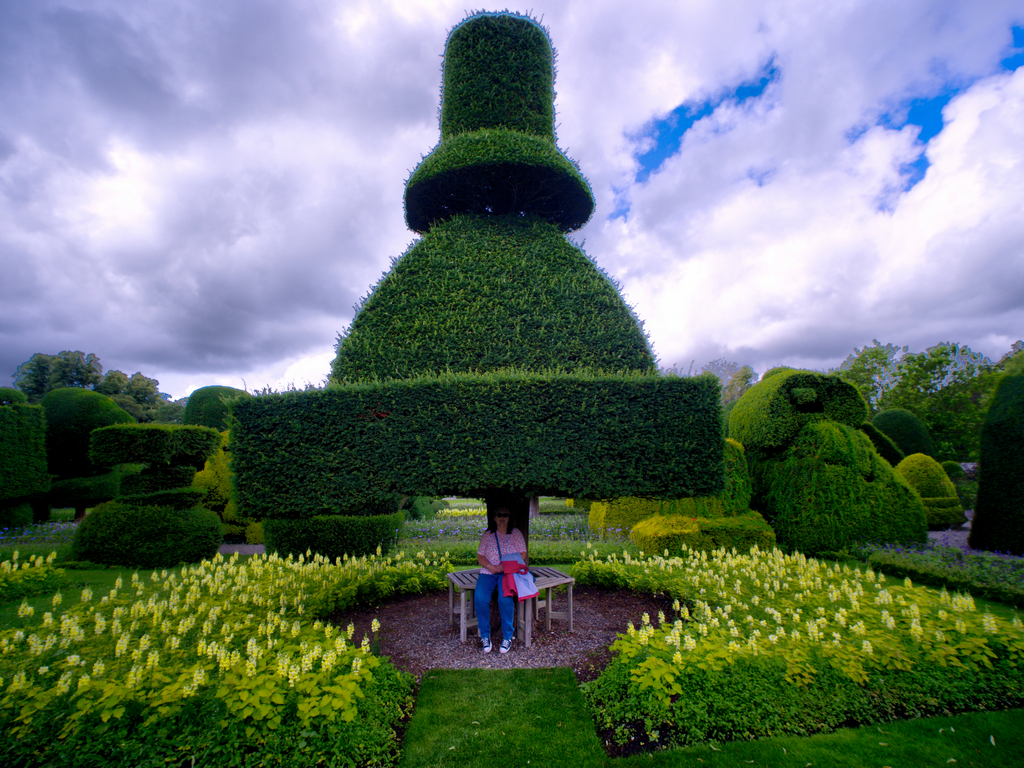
(139, 395)
(872, 370)
(721, 368)
(739, 382)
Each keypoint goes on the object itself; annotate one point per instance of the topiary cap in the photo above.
(497, 153)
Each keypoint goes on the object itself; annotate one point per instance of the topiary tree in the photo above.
(816, 478)
(208, 406)
(886, 448)
(998, 522)
(72, 413)
(160, 522)
(941, 504)
(907, 431)
(495, 359)
(24, 479)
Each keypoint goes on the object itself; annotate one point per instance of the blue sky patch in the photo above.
(1016, 58)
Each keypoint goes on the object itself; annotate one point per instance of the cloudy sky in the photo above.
(201, 191)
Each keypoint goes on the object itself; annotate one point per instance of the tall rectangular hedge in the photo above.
(23, 470)
(600, 436)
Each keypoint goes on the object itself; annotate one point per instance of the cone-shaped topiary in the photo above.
(906, 430)
(998, 522)
(207, 406)
(941, 504)
(817, 479)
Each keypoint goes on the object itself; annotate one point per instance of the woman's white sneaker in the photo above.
(506, 645)
(487, 645)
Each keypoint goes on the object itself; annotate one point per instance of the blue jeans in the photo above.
(485, 586)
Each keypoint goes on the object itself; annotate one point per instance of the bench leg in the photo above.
(569, 586)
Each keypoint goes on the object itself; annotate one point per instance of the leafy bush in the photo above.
(223, 663)
(9, 396)
(82, 492)
(122, 533)
(765, 644)
(15, 515)
(36, 576)
(158, 445)
(333, 535)
(23, 470)
(941, 504)
(670, 533)
(953, 470)
(71, 416)
(208, 406)
(886, 448)
(906, 430)
(830, 488)
(420, 508)
(999, 512)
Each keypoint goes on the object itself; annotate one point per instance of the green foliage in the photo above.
(123, 533)
(157, 478)
(27, 578)
(217, 479)
(254, 533)
(926, 476)
(44, 373)
(773, 411)
(15, 515)
(208, 406)
(175, 498)
(10, 396)
(333, 535)
(999, 512)
(886, 448)
(873, 371)
(830, 488)
(138, 395)
(484, 293)
(497, 153)
(907, 431)
(670, 533)
(23, 469)
(953, 470)
(420, 508)
(154, 444)
(737, 385)
(765, 644)
(82, 492)
(71, 415)
(312, 453)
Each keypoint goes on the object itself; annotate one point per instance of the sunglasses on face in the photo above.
(502, 514)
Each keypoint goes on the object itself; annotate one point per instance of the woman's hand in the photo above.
(499, 568)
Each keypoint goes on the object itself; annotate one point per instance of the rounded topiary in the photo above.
(906, 430)
(485, 293)
(771, 413)
(71, 416)
(998, 522)
(886, 448)
(829, 489)
(10, 396)
(207, 406)
(120, 533)
(941, 504)
(953, 470)
(670, 533)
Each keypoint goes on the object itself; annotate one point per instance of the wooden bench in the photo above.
(546, 579)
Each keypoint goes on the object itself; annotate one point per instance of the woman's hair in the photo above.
(492, 525)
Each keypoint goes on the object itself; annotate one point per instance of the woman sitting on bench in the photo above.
(497, 544)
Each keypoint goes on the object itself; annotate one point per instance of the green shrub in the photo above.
(420, 508)
(830, 489)
(926, 476)
(771, 413)
(120, 533)
(618, 516)
(15, 515)
(254, 533)
(176, 498)
(23, 471)
(157, 478)
(9, 396)
(886, 448)
(906, 430)
(71, 416)
(998, 522)
(208, 406)
(332, 536)
(82, 492)
(953, 470)
(670, 533)
(158, 445)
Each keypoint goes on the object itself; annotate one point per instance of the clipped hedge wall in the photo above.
(155, 444)
(120, 533)
(488, 293)
(207, 406)
(670, 532)
(23, 470)
(830, 489)
(771, 413)
(325, 452)
(906, 430)
(71, 415)
(82, 492)
(332, 536)
(886, 448)
(998, 522)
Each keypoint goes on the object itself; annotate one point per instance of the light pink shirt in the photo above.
(510, 542)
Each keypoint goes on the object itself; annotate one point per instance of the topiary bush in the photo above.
(907, 431)
(998, 522)
(24, 480)
(71, 416)
(941, 504)
(953, 470)
(9, 396)
(332, 535)
(886, 448)
(122, 533)
(208, 406)
(670, 532)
